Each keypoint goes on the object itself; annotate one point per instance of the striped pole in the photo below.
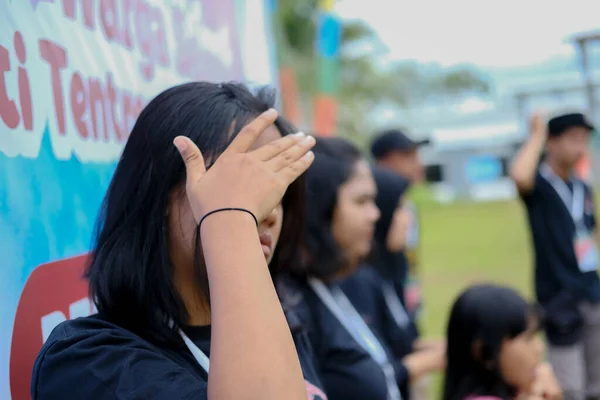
(288, 88)
(329, 30)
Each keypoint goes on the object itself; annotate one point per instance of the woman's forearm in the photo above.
(252, 352)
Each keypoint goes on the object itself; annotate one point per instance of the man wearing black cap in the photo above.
(561, 215)
(393, 150)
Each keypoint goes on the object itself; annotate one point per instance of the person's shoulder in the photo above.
(78, 330)
(84, 326)
(537, 189)
(92, 355)
(84, 338)
(94, 327)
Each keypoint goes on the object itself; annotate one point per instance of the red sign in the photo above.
(53, 293)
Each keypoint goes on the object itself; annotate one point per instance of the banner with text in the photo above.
(74, 75)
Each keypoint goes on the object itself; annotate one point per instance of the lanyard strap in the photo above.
(572, 201)
(343, 310)
(394, 305)
(198, 354)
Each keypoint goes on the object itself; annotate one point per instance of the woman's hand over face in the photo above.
(253, 180)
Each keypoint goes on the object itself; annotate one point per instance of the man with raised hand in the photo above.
(562, 221)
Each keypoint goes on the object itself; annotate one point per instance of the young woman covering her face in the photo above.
(494, 351)
(341, 216)
(168, 227)
(373, 289)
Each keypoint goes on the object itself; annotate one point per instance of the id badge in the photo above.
(586, 251)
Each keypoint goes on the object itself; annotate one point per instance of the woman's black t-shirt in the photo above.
(92, 358)
(364, 290)
(345, 369)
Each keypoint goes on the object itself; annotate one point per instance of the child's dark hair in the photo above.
(481, 319)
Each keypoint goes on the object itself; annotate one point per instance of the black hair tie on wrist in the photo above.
(227, 209)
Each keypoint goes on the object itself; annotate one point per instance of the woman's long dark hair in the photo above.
(480, 320)
(129, 271)
(335, 160)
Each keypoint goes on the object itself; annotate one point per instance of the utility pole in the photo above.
(589, 166)
(582, 41)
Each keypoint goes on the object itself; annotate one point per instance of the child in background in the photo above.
(494, 350)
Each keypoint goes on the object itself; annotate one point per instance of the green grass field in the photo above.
(465, 243)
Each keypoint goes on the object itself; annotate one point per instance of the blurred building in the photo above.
(471, 162)
(473, 140)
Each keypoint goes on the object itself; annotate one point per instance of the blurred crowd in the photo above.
(288, 265)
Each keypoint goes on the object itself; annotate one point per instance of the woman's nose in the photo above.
(376, 213)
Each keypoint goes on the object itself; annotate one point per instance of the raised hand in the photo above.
(545, 384)
(253, 180)
(537, 125)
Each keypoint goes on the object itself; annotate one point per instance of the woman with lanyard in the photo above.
(341, 216)
(167, 228)
(371, 288)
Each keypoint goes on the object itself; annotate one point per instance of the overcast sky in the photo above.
(495, 33)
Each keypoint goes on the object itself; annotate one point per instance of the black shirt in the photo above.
(364, 289)
(92, 358)
(553, 232)
(346, 370)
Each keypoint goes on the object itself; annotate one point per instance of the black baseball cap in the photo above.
(559, 124)
(394, 140)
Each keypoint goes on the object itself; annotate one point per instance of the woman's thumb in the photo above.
(192, 157)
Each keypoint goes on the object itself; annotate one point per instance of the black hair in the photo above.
(335, 160)
(482, 317)
(390, 189)
(130, 272)
(393, 266)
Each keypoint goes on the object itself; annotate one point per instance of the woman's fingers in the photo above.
(297, 168)
(248, 135)
(192, 157)
(277, 147)
(292, 154)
